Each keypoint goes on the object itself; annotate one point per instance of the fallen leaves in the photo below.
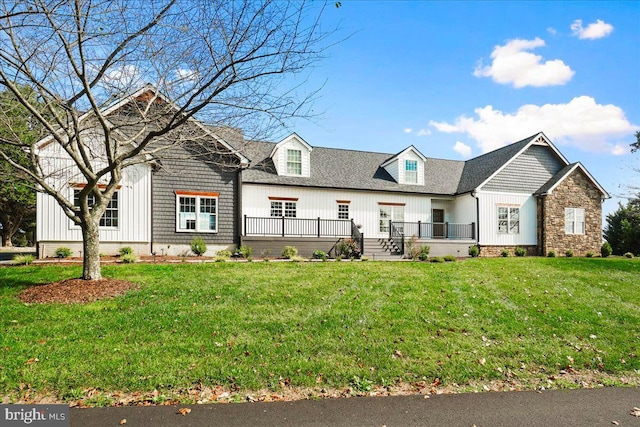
(184, 411)
(123, 421)
(635, 412)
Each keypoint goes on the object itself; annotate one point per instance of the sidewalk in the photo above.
(566, 408)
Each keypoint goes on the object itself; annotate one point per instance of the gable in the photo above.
(292, 157)
(527, 172)
(406, 167)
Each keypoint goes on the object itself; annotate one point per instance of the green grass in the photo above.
(253, 326)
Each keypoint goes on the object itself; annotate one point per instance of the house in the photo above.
(269, 195)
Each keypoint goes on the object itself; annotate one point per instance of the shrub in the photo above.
(628, 255)
(125, 251)
(551, 254)
(589, 254)
(289, 252)
(436, 259)
(23, 259)
(449, 258)
(223, 254)
(265, 254)
(423, 256)
(63, 252)
(606, 250)
(347, 248)
(504, 253)
(319, 255)
(339, 258)
(296, 258)
(568, 253)
(128, 258)
(520, 251)
(474, 251)
(364, 258)
(412, 248)
(198, 246)
(245, 251)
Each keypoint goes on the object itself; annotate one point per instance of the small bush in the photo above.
(339, 258)
(63, 252)
(245, 251)
(423, 256)
(347, 248)
(296, 258)
(551, 254)
(589, 254)
(504, 253)
(23, 259)
(128, 258)
(628, 255)
(436, 259)
(568, 253)
(289, 252)
(265, 254)
(198, 246)
(474, 251)
(606, 250)
(449, 258)
(223, 255)
(125, 251)
(364, 258)
(319, 255)
(520, 251)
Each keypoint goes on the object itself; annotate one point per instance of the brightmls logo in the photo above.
(34, 415)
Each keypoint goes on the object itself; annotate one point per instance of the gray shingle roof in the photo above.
(360, 170)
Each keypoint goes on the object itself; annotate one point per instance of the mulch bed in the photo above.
(75, 291)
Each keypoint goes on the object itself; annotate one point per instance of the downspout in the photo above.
(474, 194)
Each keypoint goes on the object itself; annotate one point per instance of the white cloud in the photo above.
(463, 149)
(620, 150)
(595, 30)
(186, 75)
(552, 31)
(581, 123)
(125, 76)
(512, 64)
(408, 130)
(424, 132)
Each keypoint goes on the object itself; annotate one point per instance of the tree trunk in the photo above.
(6, 238)
(91, 245)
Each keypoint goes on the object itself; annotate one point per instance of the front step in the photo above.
(381, 249)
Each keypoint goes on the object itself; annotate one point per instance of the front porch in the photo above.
(268, 235)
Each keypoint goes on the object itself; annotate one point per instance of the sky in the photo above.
(457, 79)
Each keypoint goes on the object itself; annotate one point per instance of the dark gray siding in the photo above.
(183, 169)
(527, 172)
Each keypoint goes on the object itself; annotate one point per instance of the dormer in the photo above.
(292, 156)
(407, 167)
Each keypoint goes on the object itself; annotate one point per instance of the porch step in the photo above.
(381, 249)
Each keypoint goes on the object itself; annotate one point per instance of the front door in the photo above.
(437, 216)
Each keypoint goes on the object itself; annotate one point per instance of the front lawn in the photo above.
(200, 331)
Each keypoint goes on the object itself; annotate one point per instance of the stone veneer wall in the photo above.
(495, 251)
(576, 191)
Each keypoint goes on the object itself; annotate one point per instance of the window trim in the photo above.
(283, 208)
(290, 164)
(344, 213)
(198, 196)
(79, 186)
(574, 221)
(411, 172)
(509, 219)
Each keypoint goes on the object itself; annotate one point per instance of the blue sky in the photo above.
(457, 79)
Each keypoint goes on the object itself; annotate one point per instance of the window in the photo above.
(290, 209)
(508, 220)
(388, 212)
(411, 171)
(294, 162)
(343, 211)
(574, 220)
(110, 216)
(197, 212)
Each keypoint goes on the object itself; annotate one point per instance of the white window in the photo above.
(110, 216)
(289, 211)
(197, 213)
(343, 211)
(394, 213)
(411, 171)
(294, 162)
(508, 220)
(574, 220)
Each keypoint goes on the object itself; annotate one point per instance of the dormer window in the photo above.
(411, 171)
(294, 162)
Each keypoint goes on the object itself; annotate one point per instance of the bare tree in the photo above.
(226, 63)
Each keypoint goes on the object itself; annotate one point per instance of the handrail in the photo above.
(396, 235)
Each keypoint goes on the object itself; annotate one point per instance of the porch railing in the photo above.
(298, 227)
(436, 230)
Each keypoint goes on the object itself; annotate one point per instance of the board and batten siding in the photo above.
(314, 203)
(538, 162)
(134, 212)
(180, 171)
(488, 212)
